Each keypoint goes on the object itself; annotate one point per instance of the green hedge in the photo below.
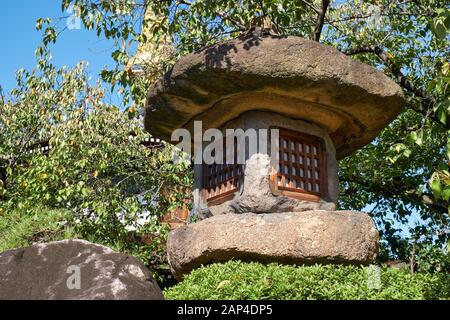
(254, 281)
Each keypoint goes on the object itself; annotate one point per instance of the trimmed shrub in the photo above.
(254, 281)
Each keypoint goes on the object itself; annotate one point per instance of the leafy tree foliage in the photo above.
(98, 166)
(236, 280)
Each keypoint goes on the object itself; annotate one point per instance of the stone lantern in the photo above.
(316, 106)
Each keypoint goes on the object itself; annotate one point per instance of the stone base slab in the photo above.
(338, 237)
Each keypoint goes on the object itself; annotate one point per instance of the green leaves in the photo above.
(417, 137)
(446, 194)
(442, 115)
(448, 147)
(41, 22)
(446, 69)
(435, 184)
(440, 184)
(235, 280)
(401, 150)
(106, 178)
(65, 4)
(442, 109)
(49, 35)
(392, 177)
(441, 24)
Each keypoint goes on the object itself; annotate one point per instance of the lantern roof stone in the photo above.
(292, 76)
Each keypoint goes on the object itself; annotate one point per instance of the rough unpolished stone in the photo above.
(50, 271)
(292, 76)
(309, 237)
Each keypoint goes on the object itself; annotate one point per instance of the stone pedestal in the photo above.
(307, 237)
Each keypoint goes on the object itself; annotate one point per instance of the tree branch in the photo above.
(320, 20)
(394, 191)
(224, 17)
(311, 6)
(428, 102)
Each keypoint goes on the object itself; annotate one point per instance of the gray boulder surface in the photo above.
(74, 270)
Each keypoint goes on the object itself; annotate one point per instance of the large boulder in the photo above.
(74, 269)
(308, 237)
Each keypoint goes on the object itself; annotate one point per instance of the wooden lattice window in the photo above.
(222, 181)
(301, 170)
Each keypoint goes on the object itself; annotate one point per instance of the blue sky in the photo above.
(20, 39)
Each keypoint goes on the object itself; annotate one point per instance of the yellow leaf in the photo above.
(95, 174)
(222, 284)
(446, 68)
